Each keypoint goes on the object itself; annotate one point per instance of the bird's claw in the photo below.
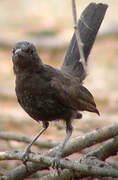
(25, 157)
(56, 165)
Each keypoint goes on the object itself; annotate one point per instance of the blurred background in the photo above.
(49, 25)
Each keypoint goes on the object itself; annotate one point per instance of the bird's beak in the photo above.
(18, 51)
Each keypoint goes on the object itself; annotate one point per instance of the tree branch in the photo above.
(89, 167)
(75, 145)
(8, 136)
(78, 38)
(80, 142)
(109, 148)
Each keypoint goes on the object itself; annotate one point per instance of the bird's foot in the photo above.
(25, 157)
(56, 165)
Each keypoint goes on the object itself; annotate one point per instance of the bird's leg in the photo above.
(56, 162)
(28, 148)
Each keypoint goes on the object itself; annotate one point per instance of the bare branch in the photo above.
(65, 175)
(73, 146)
(89, 167)
(109, 148)
(104, 151)
(80, 142)
(26, 139)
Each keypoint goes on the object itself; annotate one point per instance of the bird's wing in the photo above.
(72, 94)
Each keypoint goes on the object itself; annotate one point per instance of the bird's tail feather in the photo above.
(88, 26)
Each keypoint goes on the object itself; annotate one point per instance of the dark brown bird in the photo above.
(48, 94)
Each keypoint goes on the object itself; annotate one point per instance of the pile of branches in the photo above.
(92, 164)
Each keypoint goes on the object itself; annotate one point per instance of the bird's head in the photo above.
(24, 56)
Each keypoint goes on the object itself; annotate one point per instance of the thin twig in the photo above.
(80, 44)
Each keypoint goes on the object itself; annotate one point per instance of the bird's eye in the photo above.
(28, 50)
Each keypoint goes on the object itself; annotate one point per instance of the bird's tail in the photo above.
(88, 26)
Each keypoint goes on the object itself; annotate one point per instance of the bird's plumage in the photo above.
(44, 92)
(49, 94)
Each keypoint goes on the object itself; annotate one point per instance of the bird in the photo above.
(49, 94)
